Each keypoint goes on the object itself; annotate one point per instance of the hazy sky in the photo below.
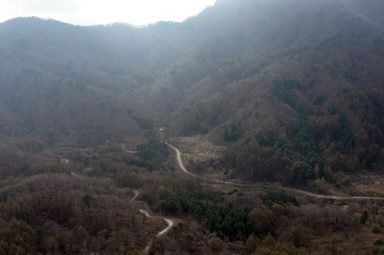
(89, 12)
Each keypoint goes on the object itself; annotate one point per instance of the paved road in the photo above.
(297, 191)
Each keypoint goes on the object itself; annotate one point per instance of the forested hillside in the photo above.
(277, 92)
(312, 65)
(295, 88)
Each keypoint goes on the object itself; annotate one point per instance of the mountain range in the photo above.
(237, 71)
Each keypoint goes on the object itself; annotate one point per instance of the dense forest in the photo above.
(284, 94)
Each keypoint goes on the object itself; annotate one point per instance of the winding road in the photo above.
(180, 162)
(297, 191)
(169, 222)
(136, 193)
(184, 169)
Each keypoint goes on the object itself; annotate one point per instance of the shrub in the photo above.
(375, 228)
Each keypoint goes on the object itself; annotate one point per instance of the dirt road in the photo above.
(297, 191)
(169, 222)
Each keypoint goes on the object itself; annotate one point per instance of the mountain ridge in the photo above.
(212, 74)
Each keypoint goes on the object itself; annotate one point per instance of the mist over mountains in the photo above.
(238, 69)
(255, 127)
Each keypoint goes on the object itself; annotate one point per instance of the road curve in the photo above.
(169, 222)
(136, 193)
(180, 162)
(297, 191)
(164, 231)
(185, 170)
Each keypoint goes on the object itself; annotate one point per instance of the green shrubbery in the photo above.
(220, 217)
(152, 154)
(376, 228)
(296, 158)
(272, 197)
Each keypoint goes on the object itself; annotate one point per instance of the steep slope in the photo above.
(295, 80)
(298, 95)
(62, 84)
(281, 40)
